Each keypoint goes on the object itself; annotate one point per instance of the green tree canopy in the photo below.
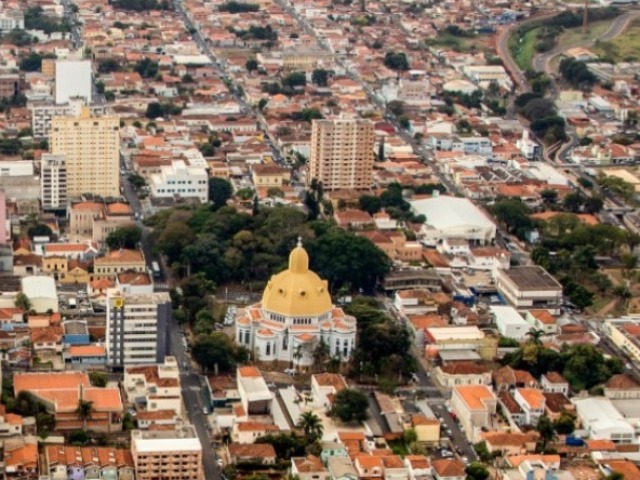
(350, 405)
(217, 350)
(220, 190)
(127, 236)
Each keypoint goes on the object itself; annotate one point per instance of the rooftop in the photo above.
(532, 278)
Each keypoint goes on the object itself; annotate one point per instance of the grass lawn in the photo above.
(523, 49)
(623, 48)
(574, 36)
(462, 44)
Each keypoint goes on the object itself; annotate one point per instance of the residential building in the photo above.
(296, 311)
(622, 387)
(62, 462)
(10, 83)
(530, 287)
(553, 382)
(117, 261)
(600, 418)
(43, 113)
(448, 469)
(625, 334)
(137, 327)
(91, 146)
(167, 454)
(61, 392)
(11, 20)
(369, 466)
(341, 468)
(154, 388)
(508, 378)
(532, 403)
(453, 217)
(255, 395)
(249, 431)
(462, 373)
(419, 467)
(85, 356)
(342, 153)
(325, 386)
(261, 453)
(427, 429)
(73, 80)
(457, 339)
(474, 405)
(542, 320)
(308, 468)
(180, 180)
(509, 322)
(53, 182)
(270, 175)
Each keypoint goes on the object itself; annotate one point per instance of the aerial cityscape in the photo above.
(319, 240)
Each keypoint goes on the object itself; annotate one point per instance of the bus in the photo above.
(155, 268)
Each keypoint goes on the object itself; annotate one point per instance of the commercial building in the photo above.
(474, 405)
(117, 261)
(463, 339)
(453, 217)
(530, 288)
(180, 180)
(295, 314)
(509, 322)
(255, 395)
(41, 292)
(154, 388)
(624, 333)
(137, 327)
(91, 146)
(53, 182)
(342, 153)
(73, 80)
(603, 421)
(167, 454)
(43, 112)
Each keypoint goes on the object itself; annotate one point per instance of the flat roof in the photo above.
(507, 315)
(532, 278)
(445, 212)
(183, 438)
(458, 355)
(39, 286)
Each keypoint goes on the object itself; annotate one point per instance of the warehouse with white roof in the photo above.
(603, 421)
(41, 292)
(453, 217)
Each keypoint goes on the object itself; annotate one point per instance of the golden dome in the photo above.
(297, 291)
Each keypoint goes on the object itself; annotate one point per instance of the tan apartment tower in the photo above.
(342, 153)
(91, 146)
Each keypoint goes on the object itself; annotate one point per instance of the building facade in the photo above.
(137, 327)
(295, 315)
(342, 153)
(91, 146)
(53, 182)
(179, 179)
(42, 113)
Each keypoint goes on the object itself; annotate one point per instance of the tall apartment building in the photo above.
(73, 79)
(167, 454)
(342, 153)
(43, 112)
(91, 146)
(53, 182)
(137, 327)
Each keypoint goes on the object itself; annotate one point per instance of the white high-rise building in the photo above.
(74, 79)
(137, 327)
(53, 182)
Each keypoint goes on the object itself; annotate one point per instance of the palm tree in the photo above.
(535, 334)
(84, 411)
(311, 424)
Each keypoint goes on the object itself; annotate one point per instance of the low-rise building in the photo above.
(603, 421)
(553, 382)
(530, 287)
(308, 468)
(270, 175)
(462, 373)
(62, 462)
(474, 405)
(622, 387)
(180, 180)
(464, 338)
(154, 387)
(262, 453)
(255, 395)
(117, 261)
(448, 469)
(542, 320)
(532, 403)
(509, 322)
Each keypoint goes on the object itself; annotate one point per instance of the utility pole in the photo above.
(585, 19)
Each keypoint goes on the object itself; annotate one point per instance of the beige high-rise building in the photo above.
(167, 454)
(342, 153)
(91, 146)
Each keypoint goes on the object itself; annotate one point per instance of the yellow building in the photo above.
(270, 175)
(66, 271)
(48, 67)
(427, 429)
(91, 146)
(118, 261)
(305, 60)
(342, 153)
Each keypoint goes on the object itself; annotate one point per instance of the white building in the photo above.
(529, 148)
(483, 75)
(53, 182)
(509, 322)
(255, 396)
(16, 168)
(137, 327)
(296, 313)
(530, 288)
(42, 113)
(155, 388)
(12, 20)
(532, 403)
(474, 405)
(453, 217)
(603, 421)
(41, 292)
(73, 80)
(324, 386)
(178, 179)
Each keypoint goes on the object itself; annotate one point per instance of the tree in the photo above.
(477, 471)
(40, 230)
(396, 107)
(154, 110)
(546, 431)
(109, 65)
(22, 302)
(483, 451)
(593, 204)
(220, 191)
(147, 68)
(565, 424)
(370, 204)
(286, 445)
(572, 202)
(251, 65)
(350, 405)
(204, 322)
(320, 77)
(311, 424)
(549, 196)
(127, 236)
(98, 379)
(535, 334)
(295, 79)
(84, 411)
(396, 61)
(217, 351)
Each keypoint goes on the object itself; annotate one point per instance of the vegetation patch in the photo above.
(624, 48)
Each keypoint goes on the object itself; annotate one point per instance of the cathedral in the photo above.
(294, 316)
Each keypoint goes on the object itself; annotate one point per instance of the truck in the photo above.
(155, 268)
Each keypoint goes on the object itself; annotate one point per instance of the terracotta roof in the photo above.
(418, 461)
(510, 376)
(448, 468)
(601, 445)
(119, 209)
(510, 403)
(543, 316)
(422, 420)
(122, 255)
(622, 381)
(625, 467)
(86, 456)
(475, 396)
(556, 402)
(464, 368)
(331, 380)
(87, 351)
(87, 206)
(134, 278)
(256, 427)
(369, 461)
(25, 456)
(554, 378)
(532, 396)
(249, 372)
(502, 439)
(308, 464)
(252, 450)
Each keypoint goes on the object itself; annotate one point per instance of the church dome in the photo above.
(297, 291)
